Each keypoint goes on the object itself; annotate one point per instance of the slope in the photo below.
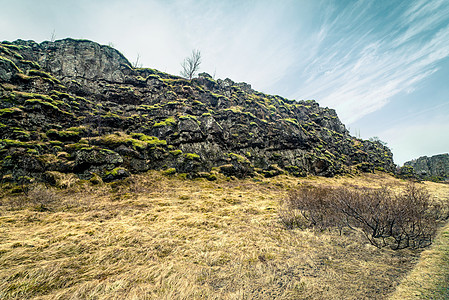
(74, 106)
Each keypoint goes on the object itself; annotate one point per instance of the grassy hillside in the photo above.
(153, 236)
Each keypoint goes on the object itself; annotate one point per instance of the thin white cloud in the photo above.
(423, 139)
(357, 70)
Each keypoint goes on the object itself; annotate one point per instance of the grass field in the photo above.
(158, 237)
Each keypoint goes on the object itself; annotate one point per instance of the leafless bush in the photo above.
(384, 217)
(308, 206)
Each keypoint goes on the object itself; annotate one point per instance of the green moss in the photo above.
(56, 143)
(140, 140)
(272, 108)
(112, 116)
(176, 152)
(238, 158)
(5, 112)
(167, 122)
(120, 138)
(32, 96)
(198, 103)
(152, 76)
(169, 171)
(178, 81)
(291, 121)
(144, 107)
(21, 134)
(61, 95)
(192, 156)
(189, 117)
(78, 146)
(115, 172)
(11, 62)
(217, 95)
(41, 103)
(82, 99)
(24, 77)
(7, 143)
(149, 140)
(33, 64)
(32, 151)
(78, 129)
(63, 135)
(14, 47)
(44, 75)
(234, 109)
(175, 103)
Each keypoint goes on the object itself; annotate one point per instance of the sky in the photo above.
(383, 65)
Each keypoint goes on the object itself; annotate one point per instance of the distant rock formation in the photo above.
(74, 106)
(434, 168)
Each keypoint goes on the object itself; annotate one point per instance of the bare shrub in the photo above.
(308, 206)
(385, 218)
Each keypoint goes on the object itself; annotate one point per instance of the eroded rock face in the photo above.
(77, 106)
(435, 167)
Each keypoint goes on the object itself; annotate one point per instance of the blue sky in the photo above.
(383, 65)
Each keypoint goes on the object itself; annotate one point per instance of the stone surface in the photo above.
(430, 168)
(76, 106)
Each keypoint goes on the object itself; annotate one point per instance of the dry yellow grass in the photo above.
(156, 237)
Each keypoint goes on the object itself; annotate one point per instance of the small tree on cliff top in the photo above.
(191, 64)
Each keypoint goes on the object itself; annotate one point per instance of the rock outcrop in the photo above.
(434, 168)
(74, 106)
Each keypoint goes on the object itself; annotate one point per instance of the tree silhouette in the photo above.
(191, 64)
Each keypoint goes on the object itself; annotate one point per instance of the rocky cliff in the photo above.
(74, 106)
(434, 168)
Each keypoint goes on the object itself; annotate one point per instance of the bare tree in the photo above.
(191, 64)
(53, 36)
(137, 63)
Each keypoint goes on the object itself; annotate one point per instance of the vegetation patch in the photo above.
(176, 152)
(32, 64)
(136, 140)
(39, 102)
(385, 218)
(239, 158)
(5, 112)
(11, 63)
(191, 156)
(167, 122)
(44, 75)
(291, 121)
(64, 135)
(26, 95)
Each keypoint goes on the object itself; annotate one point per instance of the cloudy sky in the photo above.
(382, 64)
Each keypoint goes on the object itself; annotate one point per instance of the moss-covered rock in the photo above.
(64, 135)
(104, 114)
(116, 174)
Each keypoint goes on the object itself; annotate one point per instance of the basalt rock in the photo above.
(435, 168)
(74, 106)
